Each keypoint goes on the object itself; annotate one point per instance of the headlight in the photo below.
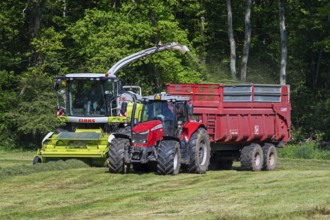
(140, 138)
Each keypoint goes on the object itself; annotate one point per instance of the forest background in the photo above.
(41, 39)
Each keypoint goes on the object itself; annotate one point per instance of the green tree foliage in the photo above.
(41, 38)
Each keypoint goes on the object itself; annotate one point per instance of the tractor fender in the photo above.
(189, 129)
(46, 137)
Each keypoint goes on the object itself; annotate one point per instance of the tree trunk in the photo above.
(284, 52)
(247, 40)
(231, 40)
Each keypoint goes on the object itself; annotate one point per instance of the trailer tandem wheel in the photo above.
(200, 150)
(252, 157)
(270, 157)
(169, 156)
(116, 156)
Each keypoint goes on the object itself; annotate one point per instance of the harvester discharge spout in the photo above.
(143, 53)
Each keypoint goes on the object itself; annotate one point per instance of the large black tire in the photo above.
(36, 160)
(168, 160)
(116, 156)
(270, 157)
(200, 151)
(252, 157)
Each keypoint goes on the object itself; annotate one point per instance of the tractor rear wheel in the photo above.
(168, 160)
(200, 151)
(270, 157)
(252, 157)
(116, 156)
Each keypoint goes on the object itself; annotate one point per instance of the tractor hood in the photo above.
(148, 126)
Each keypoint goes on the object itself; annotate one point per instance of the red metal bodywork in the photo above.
(188, 129)
(155, 129)
(230, 119)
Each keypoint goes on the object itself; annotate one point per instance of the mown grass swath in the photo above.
(296, 190)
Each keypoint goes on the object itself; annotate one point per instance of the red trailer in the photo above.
(244, 122)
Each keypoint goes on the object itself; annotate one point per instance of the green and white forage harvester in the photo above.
(93, 106)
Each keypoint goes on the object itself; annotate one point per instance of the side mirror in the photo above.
(123, 108)
(190, 109)
(57, 85)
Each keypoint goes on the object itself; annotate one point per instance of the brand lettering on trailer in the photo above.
(89, 120)
(256, 129)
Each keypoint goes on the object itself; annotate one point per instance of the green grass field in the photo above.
(298, 189)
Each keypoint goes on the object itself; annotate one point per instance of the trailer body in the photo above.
(237, 116)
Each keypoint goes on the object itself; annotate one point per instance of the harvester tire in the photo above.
(200, 152)
(116, 156)
(252, 157)
(270, 157)
(168, 160)
(36, 160)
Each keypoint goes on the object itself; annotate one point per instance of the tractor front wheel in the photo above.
(168, 160)
(116, 156)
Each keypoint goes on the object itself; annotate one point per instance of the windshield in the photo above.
(157, 110)
(87, 97)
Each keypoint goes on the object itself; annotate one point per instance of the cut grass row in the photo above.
(298, 189)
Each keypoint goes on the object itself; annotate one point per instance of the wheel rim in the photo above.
(176, 161)
(271, 159)
(202, 153)
(257, 160)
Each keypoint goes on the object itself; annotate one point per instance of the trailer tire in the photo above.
(270, 157)
(168, 160)
(200, 151)
(116, 156)
(252, 157)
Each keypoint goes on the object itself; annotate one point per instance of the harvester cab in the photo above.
(92, 106)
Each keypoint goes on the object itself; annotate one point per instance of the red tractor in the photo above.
(163, 137)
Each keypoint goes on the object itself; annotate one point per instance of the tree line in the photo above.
(41, 39)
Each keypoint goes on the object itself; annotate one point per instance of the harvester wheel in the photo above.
(270, 157)
(116, 156)
(168, 160)
(200, 150)
(36, 160)
(252, 157)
